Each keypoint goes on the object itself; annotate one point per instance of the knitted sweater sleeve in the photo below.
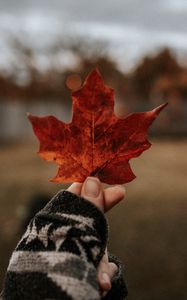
(58, 254)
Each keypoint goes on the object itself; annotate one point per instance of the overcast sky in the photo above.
(131, 27)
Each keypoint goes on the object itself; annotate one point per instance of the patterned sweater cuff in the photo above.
(66, 204)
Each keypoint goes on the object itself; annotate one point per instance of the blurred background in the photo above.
(140, 47)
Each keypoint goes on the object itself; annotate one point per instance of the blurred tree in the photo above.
(156, 78)
(149, 70)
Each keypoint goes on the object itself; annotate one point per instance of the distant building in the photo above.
(14, 125)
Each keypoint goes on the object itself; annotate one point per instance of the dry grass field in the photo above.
(147, 230)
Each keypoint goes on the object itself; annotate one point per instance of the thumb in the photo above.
(92, 190)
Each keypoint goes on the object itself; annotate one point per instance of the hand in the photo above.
(104, 199)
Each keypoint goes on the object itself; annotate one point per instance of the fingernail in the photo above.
(92, 187)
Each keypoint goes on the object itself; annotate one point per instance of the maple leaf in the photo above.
(96, 142)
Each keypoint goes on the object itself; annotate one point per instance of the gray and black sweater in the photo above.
(58, 255)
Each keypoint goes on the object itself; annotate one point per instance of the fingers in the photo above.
(113, 269)
(75, 188)
(113, 195)
(103, 273)
(92, 190)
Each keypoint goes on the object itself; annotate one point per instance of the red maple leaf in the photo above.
(96, 142)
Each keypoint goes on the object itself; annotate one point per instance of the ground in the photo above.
(147, 230)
